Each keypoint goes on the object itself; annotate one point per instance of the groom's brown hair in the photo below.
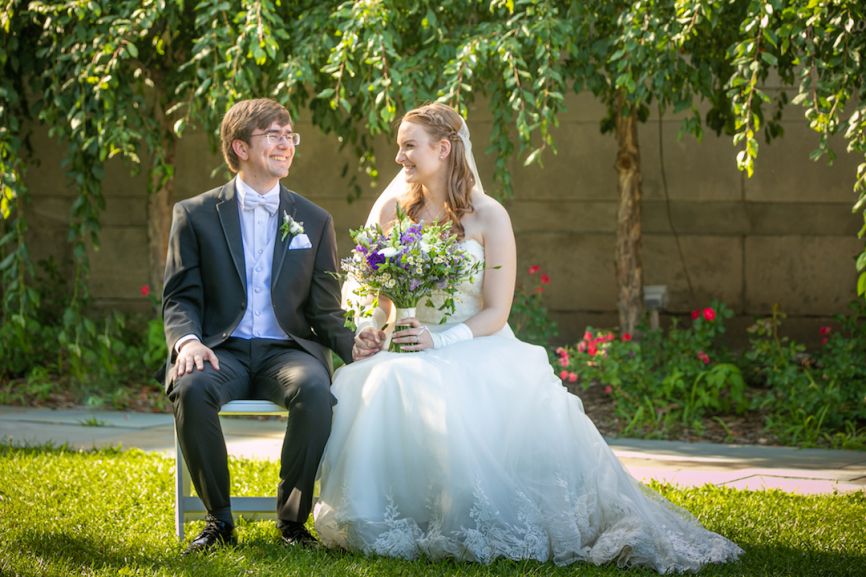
(243, 118)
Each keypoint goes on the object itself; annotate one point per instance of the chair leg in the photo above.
(181, 490)
(185, 505)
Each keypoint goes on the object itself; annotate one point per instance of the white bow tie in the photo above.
(270, 202)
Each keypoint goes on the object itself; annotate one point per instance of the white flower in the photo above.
(425, 247)
(438, 260)
(390, 283)
(389, 251)
(290, 226)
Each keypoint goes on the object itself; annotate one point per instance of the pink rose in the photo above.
(563, 361)
(704, 358)
(545, 279)
(592, 349)
(608, 390)
(709, 314)
(581, 347)
(144, 290)
(572, 378)
(534, 269)
(561, 352)
(563, 375)
(587, 336)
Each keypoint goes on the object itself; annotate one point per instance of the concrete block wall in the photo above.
(786, 236)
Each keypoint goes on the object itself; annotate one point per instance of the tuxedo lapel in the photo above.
(281, 245)
(227, 208)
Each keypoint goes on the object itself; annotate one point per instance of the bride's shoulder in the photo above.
(384, 211)
(489, 210)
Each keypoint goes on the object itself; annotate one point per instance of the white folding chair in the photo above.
(188, 507)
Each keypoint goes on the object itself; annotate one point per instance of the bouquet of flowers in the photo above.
(408, 264)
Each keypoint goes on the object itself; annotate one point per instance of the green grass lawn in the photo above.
(111, 513)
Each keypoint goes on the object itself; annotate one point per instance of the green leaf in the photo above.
(861, 262)
(533, 156)
(179, 126)
(769, 58)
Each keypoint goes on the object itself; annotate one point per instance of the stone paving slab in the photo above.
(804, 471)
(121, 419)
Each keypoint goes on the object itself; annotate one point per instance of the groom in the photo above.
(251, 308)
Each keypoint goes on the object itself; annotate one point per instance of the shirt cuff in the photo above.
(182, 340)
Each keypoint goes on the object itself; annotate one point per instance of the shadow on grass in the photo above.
(260, 553)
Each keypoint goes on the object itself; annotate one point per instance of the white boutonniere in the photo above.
(290, 227)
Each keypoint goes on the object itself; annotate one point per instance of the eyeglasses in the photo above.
(277, 137)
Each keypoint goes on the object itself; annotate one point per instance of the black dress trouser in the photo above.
(262, 369)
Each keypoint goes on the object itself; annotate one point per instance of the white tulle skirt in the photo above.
(476, 451)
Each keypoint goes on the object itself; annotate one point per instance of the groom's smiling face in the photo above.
(263, 163)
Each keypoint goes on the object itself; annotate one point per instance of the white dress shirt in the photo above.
(259, 234)
(259, 231)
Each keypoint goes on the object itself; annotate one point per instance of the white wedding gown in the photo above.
(476, 451)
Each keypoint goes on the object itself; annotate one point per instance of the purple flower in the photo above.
(414, 284)
(361, 249)
(374, 260)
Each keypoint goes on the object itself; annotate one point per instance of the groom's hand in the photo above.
(192, 355)
(367, 343)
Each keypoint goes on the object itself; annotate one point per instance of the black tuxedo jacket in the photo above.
(205, 290)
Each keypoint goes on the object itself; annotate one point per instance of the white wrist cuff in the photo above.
(453, 335)
(376, 320)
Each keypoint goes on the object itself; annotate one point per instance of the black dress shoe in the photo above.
(296, 534)
(215, 533)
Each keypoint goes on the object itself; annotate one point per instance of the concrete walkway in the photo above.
(804, 471)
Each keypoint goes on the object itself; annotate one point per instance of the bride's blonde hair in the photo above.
(443, 122)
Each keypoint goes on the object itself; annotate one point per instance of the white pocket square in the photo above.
(300, 241)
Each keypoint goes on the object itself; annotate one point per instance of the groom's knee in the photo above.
(313, 392)
(195, 389)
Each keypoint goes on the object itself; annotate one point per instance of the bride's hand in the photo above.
(415, 338)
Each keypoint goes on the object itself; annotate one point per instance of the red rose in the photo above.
(581, 346)
(695, 315)
(144, 290)
(626, 337)
(824, 331)
(592, 349)
(704, 358)
(561, 352)
(587, 336)
(534, 269)
(709, 314)
(825, 340)
(545, 279)
(608, 390)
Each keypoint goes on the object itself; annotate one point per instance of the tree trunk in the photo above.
(629, 272)
(159, 211)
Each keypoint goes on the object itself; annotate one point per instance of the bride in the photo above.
(471, 448)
